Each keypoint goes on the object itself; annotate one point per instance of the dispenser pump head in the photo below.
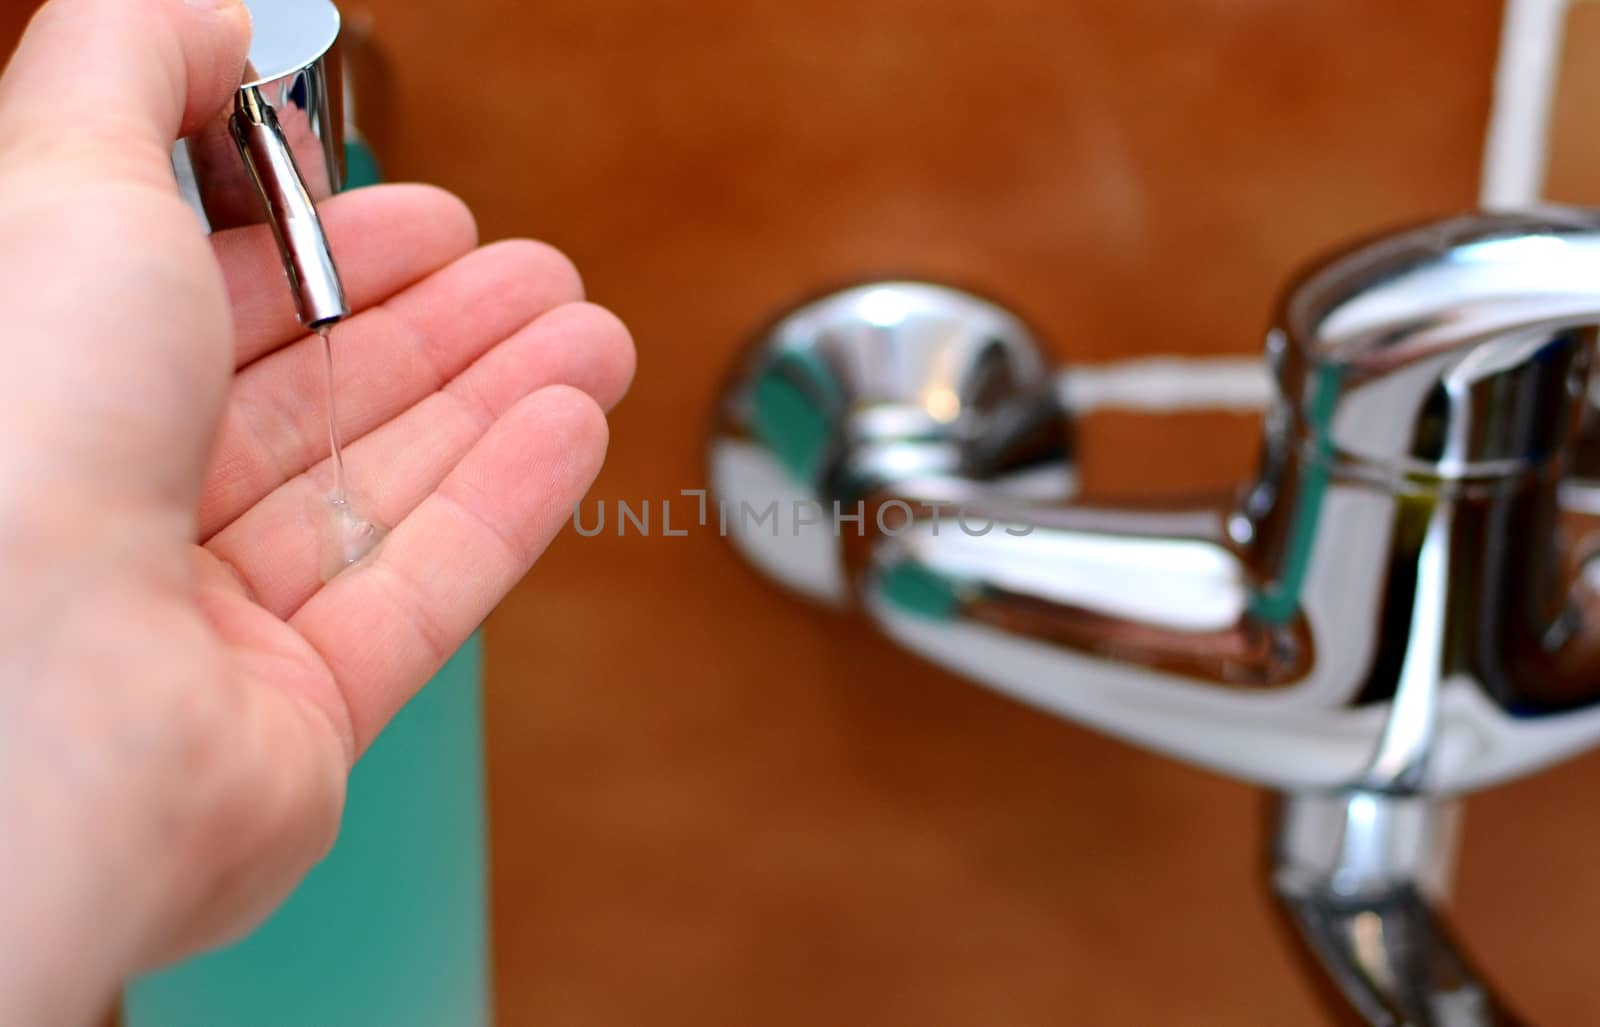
(279, 148)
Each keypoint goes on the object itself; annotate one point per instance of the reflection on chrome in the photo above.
(1397, 609)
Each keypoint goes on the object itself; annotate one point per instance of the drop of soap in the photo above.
(348, 536)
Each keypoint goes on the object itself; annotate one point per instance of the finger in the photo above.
(385, 359)
(274, 547)
(384, 238)
(386, 625)
(100, 89)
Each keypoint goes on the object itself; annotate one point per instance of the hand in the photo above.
(181, 697)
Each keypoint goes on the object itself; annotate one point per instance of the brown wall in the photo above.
(714, 804)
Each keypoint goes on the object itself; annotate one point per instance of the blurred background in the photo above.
(714, 804)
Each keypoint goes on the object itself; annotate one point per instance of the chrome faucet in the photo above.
(1399, 609)
(279, 148)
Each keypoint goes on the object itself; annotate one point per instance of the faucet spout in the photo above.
(1353, 874)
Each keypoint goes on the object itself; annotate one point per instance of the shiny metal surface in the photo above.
(1352, 872)
(1400, 605)
(307, 260)
(873, 387)
(287, 36)
(281, 148)
(1395, 601)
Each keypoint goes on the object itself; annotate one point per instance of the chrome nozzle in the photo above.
(307, 259)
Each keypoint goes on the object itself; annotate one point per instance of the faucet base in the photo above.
(882, 385)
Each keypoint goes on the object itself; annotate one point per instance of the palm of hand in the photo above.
(209, 663)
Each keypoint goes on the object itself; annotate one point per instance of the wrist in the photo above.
(86, 888)
(73, 916)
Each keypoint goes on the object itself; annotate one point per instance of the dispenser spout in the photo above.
(307, 259)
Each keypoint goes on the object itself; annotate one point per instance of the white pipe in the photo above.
(1167, 385)
(1516, 148)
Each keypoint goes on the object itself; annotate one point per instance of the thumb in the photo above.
(103, 88)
